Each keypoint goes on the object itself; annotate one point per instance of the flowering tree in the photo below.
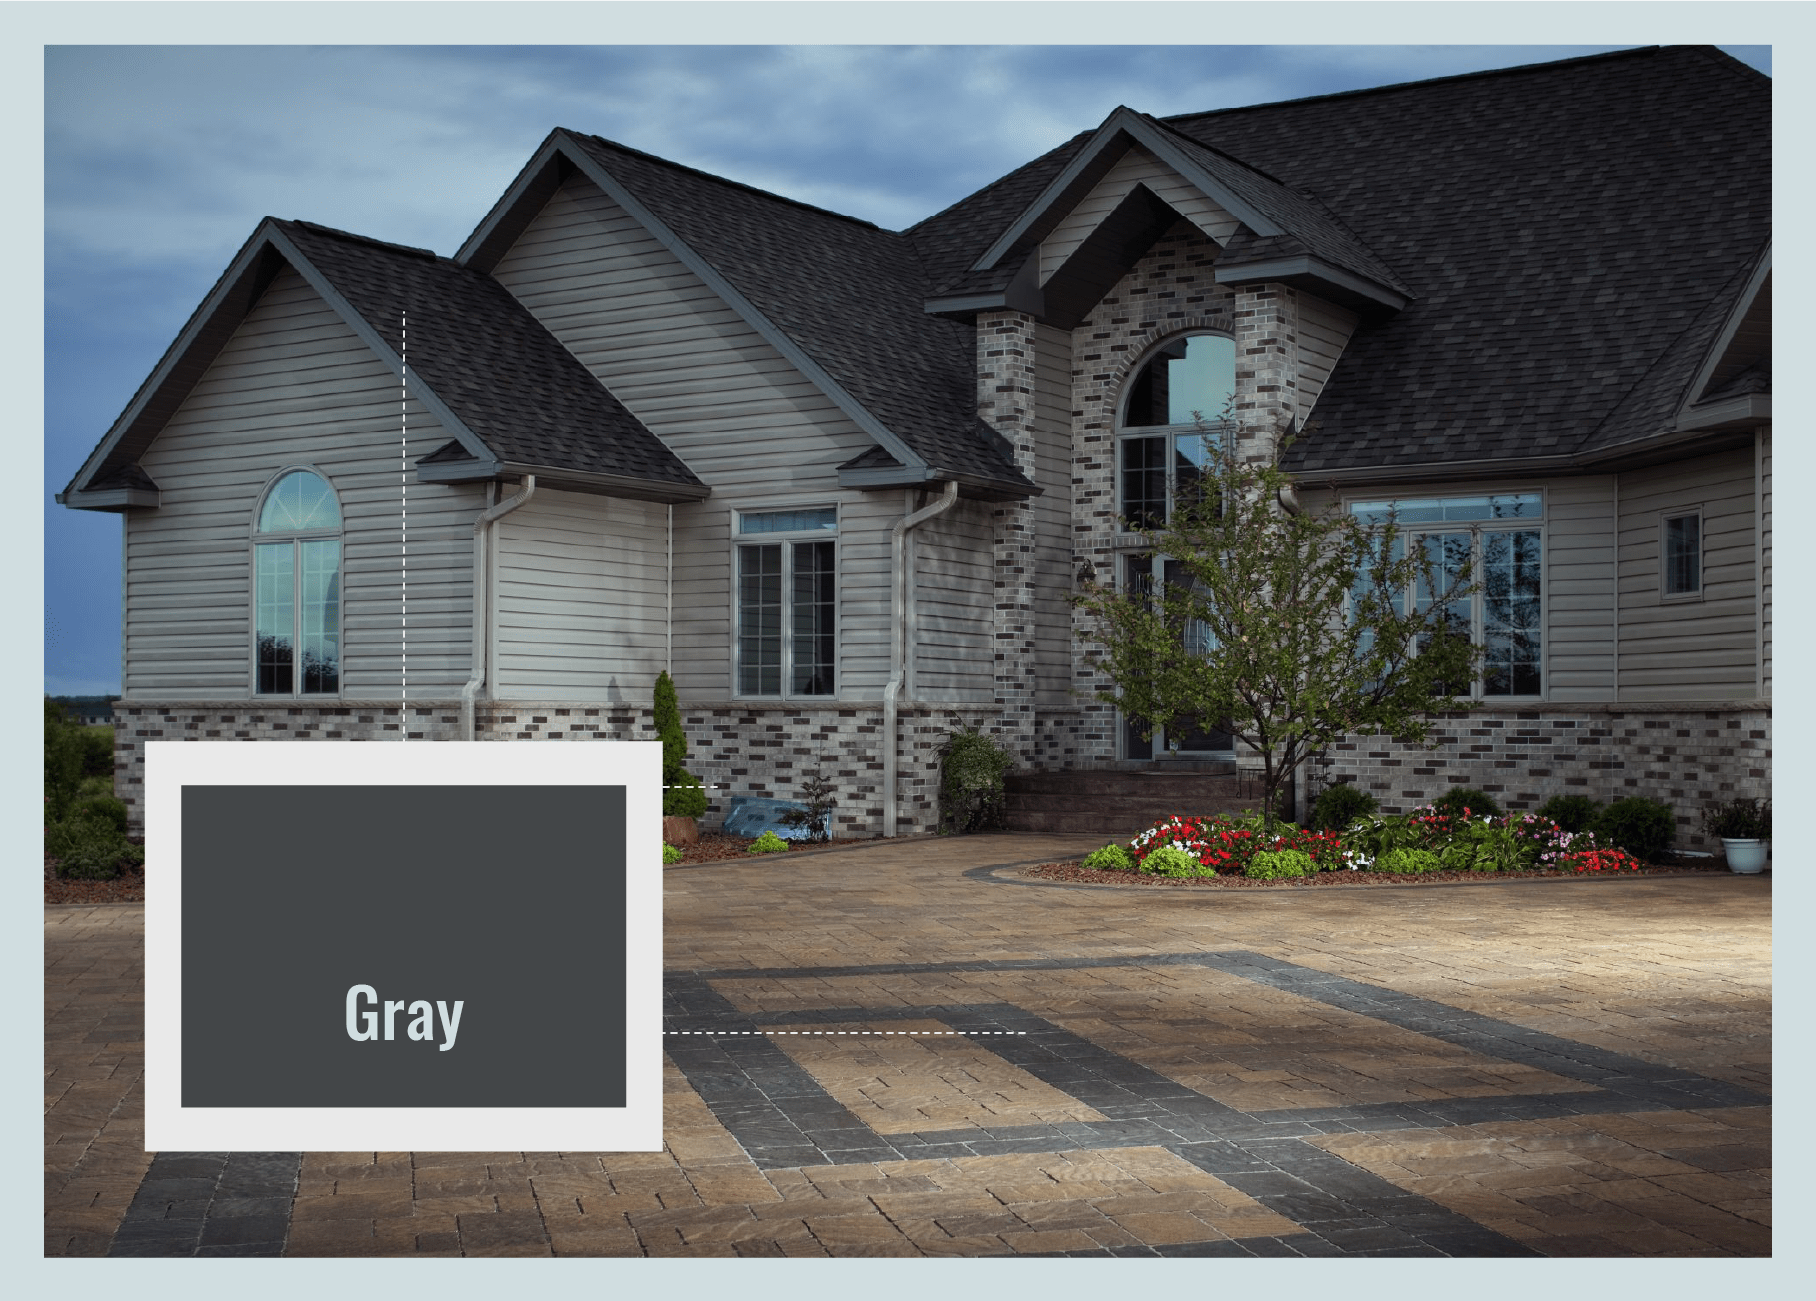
(1293, 630)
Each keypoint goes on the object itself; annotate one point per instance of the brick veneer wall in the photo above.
(1687, 754)
(748, 748)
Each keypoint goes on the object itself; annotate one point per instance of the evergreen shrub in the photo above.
(1642, 827)
(683, 795)
(1341, 805)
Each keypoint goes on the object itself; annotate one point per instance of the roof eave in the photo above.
(1746, 410)
(607, 485)
(910, 476)
(1344, 288)
(109, 499)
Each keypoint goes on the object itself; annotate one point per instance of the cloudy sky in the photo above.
(160, 159)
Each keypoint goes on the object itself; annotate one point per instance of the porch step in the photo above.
(1120, 803)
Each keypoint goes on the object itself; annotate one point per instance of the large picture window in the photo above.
(787, 603)
(296, 588)
(1171, 420)
(1501, 539)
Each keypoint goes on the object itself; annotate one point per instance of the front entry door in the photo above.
(1201, 738)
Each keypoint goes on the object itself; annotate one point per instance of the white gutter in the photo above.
(482, 603)
(899, 581)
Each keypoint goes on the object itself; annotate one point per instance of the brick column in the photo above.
(1005, 382)
(1266, 318)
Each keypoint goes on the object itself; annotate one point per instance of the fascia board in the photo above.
(615, 485)
(546, 156)
(1313, 268)
(774, 336)
(914, 477)
(199, 320)
(418, 388)
(112, 499)
(1434, 471)
(1748, 408)
(1022, 294)
(1124, 121)
(1729, 328)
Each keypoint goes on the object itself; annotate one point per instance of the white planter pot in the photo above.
(1744, 856)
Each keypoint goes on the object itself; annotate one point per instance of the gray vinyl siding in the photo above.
(731, 406)
(1579, 589)
(1324, 330)
(581, 599)
(1138, 166)
(1053, 515)
(1765, 563)
(293, 387)
(954, 640)
(1689, 650)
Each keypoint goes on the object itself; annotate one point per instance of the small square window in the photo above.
(1681, 555)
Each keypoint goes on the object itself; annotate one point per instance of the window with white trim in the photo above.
(1501, 538)
(1680, 550)
(1172, 417)
(787, 602)
(296, 588)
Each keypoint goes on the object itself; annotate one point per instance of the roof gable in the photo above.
(837, 297)
(513, 398)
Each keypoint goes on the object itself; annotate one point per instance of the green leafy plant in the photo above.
(90, 847)
(817, 794)
(1111, 858)
(1739, 819)
(1340, 805)
(102, 808)
(1289, 629)
(1571, 812)
(683, 795)
(767, 843)
(1480, 804)
(1171, 860)
(1641, 826)
(64, 754)
(1479, 846)
(670, 854)
(1408, 861)
(972, 767)
(1275, 864)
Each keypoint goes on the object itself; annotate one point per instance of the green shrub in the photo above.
(1273, 864)
(670, 854)
(1171, 860)
(90, 848)
(1642, 827)
(767, 843)
(1746, 818)
(1408, 861)
(1341, 805)
(1479, 803)
(102, 808)
(63, 759)
(97, 749)
(1571, 812)
(1111, 858)
(683, 795)
(972, 766)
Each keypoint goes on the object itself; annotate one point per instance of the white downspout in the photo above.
(482, 602)
(898, 586)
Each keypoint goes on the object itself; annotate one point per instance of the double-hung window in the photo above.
(296, 588)
(787, 602)
(1501, 539)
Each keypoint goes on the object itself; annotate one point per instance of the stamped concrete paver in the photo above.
(1568, 1069)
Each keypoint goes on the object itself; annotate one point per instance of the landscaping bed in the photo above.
(1073, 873)
(712, 847)
(128, 887)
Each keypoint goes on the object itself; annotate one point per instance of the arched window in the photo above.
(1171, 416)
(296, 588)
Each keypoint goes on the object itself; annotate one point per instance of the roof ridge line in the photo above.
(726, 180)
(357, 238)
(1425, 81)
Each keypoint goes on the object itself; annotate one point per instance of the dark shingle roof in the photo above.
(500, 372)
(1560, 225)
(847, 293)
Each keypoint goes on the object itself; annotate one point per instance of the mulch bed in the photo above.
(1073, 874)
(128, 887)
(714, 848)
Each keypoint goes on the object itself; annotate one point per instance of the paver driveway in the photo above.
(900, 1051)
